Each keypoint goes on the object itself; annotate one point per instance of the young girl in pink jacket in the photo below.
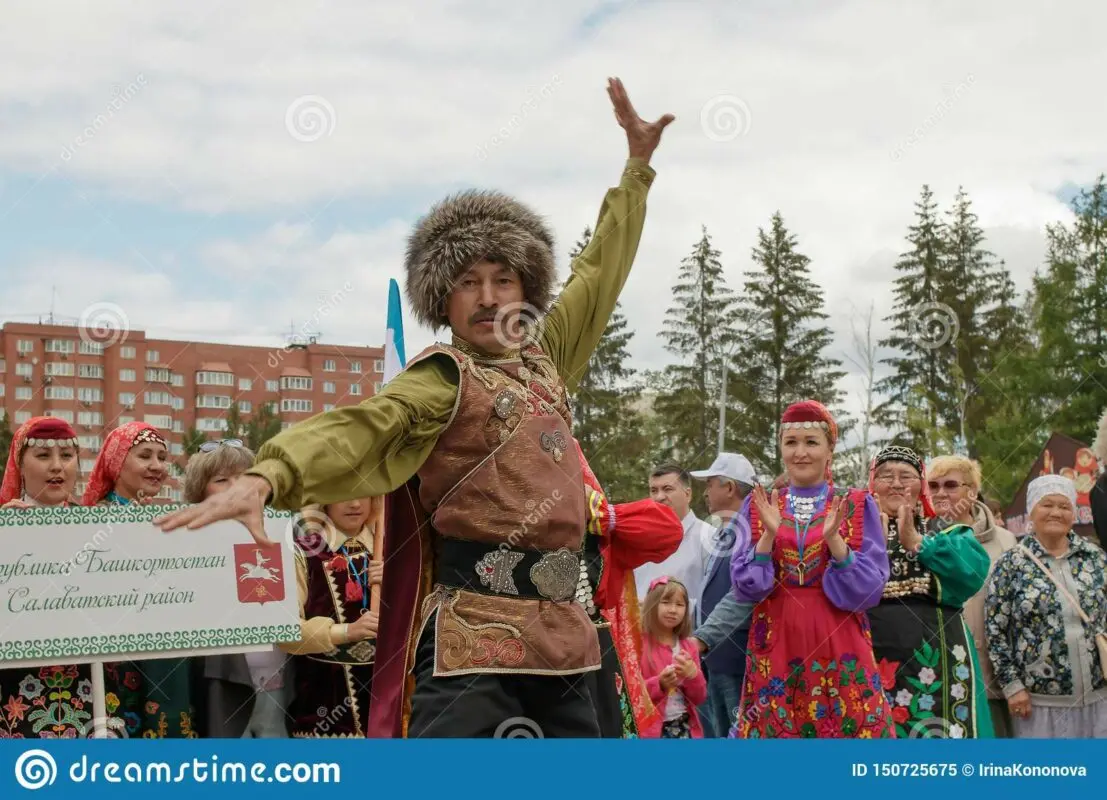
(671, 662)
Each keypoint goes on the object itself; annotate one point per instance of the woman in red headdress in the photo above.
(131, 468)
(618, 539)
(42, 465)
(813, 562)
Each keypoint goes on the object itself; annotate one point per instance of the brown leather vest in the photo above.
(504, 473)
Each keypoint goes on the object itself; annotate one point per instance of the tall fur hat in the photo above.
(1100, 446)
(465, 228)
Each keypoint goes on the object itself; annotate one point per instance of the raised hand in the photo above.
(909, 538)
(833, 520)
(244, 502)
(642, 137)
(768, 508)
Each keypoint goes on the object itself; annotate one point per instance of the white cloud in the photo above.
(853, 106)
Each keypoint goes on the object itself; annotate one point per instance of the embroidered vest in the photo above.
(907, 575)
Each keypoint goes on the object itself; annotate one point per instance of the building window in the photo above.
(213, 401)
(355, 389)
(3, 366)
(377, 387)
(126, 375)
(245, 406)
(61, 368)
(90, 443)
(58, 393)
(21, 417)
(176, 380)
(214, 379)
(245, 384)
(24, 392)
(90, 418)
(355, 366)
(90, 395)
(328, 387)
(124, 420)
(328, 365)
(60, 346)
(60, 414)
(155, 375)
(295, 382)
(159, 420)
(378, 365)
(24, 370)
(295, 404)
(126, 351)
(25, 346)
(127, 398)
(271, 406)
(328, 407)
(90, 348)
(178, 403)
(87, 465)
(158, 398)
(178, 426)
(176, 449)
(90, 371)
(211, 424)
(1, 389)
(153, 356)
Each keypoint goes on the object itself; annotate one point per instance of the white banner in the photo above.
(103, 583)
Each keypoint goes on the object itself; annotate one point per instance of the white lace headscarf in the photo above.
(1047, 485)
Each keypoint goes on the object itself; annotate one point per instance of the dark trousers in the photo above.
(486, 706)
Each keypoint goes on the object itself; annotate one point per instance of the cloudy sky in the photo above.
(219, 170)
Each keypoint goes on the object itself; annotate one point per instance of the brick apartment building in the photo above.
(53, 370)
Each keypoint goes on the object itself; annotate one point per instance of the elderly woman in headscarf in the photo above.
(244, 693)
(1046, 604)
(131, 468)
(813, 560)
(926, 654)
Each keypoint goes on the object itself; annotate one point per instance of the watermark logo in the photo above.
(935, 325)
(103, 324)
(932, 119)
(517, 324)
(930, 728)
(310, 520)
(121, 95)
(103, 728)
(515, 122)
(518, 728)
(309, 118)
(35, 769)
(725, 117)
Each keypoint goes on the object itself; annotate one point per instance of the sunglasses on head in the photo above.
(949, 486)
(211, 447)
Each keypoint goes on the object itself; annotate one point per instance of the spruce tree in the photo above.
(783, 355)
(605, 421)
(919, 388)
(699, 329)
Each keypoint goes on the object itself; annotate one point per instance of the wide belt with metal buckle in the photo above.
(512, 572)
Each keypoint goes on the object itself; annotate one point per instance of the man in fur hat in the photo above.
(480, 631)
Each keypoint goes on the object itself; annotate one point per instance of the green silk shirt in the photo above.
(375, 447)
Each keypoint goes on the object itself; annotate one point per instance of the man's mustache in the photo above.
(488, 315)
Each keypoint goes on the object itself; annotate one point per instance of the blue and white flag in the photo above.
(394, 358)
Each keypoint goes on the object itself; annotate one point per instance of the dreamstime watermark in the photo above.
(516, 120)
(725, 117)
(518, 728)
(932, 119)
(121, 96)
(103, 324)
(309, 118)
(934, 325)
(517, 324)
(298, 532)
(309, 330)
(329, 718)
(536, 513)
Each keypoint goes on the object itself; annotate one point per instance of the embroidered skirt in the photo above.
(810, 672)
(927, 664)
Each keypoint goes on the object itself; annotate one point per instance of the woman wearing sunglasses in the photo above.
(954, 484)
(927, 657)
(245, 694)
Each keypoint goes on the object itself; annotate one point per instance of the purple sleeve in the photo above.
(857, 583)
(751, 574)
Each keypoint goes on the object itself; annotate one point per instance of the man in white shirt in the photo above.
(671, 485)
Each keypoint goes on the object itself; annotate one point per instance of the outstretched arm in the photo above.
(580, 315)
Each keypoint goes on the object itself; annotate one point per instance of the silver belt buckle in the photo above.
(556, 575)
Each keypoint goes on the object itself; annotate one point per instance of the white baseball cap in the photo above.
(730, 465)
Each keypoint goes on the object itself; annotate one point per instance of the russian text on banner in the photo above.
(82, 583)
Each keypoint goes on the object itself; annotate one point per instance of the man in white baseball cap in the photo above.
(721, 635)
